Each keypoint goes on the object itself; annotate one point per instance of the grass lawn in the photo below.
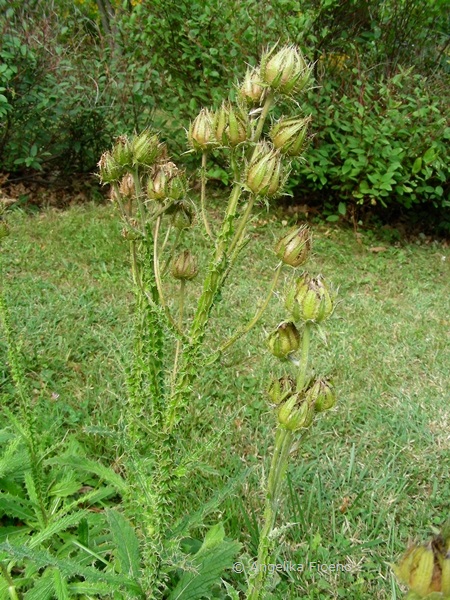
(370, 475)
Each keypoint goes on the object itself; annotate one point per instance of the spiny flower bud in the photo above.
(265, 174)
(185, 266)
(295, 247)
(237, 131)
(158, 183)
(200, 134)
(290, 135)
(295, 413)
(284, 340)
(220, 123)
(286, 70)
(309, 300)
(251, 91)
(122, 152)
(280, 389)
(321, 395)
(177, 187)
(110, 170)
(126, 186)
(145, 148)
(182, 215)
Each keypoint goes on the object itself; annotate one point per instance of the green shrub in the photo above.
(51, 103)
(379, 143)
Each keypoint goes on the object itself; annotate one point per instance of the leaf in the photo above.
(417, 165)
(215, 555)
(232, 593)
(56, 527)
(94, 467)
(342, 208)
(126, 543)
(429, 156)
(60, 585)
(16, 507)
(333, 218)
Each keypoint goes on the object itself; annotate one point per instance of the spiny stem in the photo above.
(283, 443)
(203, 195)
(181, 296)
(156, 270)
(237, 238)
(301, 377)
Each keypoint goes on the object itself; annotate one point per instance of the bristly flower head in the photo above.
(284, 340)
(290, 136)
(185, 266)
(285, 71)
(145, 149)
(109, 170)
(309, 299)
(251, 91)
(200, 134)
(294, 248)
(266, 174)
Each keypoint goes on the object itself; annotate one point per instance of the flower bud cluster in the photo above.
(127, 154)
(296, 409)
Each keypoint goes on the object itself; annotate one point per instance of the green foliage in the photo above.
(382, 143)
(52, 114)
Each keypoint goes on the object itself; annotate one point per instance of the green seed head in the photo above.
(281, 389)
(200, 134)
(182, 215)
(122, 152)
(285, 71)
(185, 266)
(284, 340)
(294, 413)
(145, 149)
(309, 299)
(290, 136)
(238, 129)
(321, 395)
(251, 91)
(158, 182)
(109, 169)
(265, 173)
(295, 247)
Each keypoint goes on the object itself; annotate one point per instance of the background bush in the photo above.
(74, 75)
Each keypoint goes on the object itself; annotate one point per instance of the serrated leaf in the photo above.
(232, 593)
(16, 507)
(215, 555)
(60, 586)
(43, 589)
(126, 543)
(57, 527)
(94, 467)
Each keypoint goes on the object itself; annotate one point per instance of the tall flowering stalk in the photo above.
(153, 199)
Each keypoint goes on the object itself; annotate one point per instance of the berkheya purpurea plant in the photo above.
(152, 197)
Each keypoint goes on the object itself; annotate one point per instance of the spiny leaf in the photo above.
(94, 467)
(126, 542)
(16, 507)
(56, 527)
(215, 555)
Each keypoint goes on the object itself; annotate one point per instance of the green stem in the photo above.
(137, 187)
(301, 377)
(243, 330)
(258, 579)
(203, 195)
(237, 238)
